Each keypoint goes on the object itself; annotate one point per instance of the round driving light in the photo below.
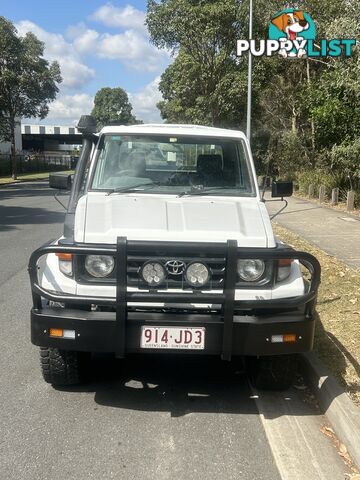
(153, 273)
(250, 270)
(197, 274)
(99, 265)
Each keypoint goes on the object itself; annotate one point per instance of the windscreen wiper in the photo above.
(201, 191)
(132, 188)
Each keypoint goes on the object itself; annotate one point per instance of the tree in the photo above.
(334, 97)
(28, 82)
(206, 83)
(112, 105)
(301, 108)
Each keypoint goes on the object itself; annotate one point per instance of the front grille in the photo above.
(215, 264)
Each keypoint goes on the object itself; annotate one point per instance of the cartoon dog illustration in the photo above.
(291, 24)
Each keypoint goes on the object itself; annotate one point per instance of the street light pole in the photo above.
(248, 112)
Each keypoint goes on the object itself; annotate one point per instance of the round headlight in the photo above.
(197, 274)
(250, 270)
(99, 265)
(153, 273)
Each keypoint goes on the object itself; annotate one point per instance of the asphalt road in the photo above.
(142, 418)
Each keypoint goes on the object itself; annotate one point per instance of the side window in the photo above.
(102, 153)
(245, 180)
(85, 179)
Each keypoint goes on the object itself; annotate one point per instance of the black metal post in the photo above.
(121, 289)
(229, 292)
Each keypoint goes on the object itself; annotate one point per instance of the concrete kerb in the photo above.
(335, 404)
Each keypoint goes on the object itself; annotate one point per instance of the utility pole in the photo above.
(248, 112)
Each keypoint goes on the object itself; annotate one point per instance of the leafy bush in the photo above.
(318, 177)
(346, 158)
(287, 154)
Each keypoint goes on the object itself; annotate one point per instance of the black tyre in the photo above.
(63, 367)
(273, 372)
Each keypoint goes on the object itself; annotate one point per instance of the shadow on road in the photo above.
(17, 207)
(178, 385)
(26, 190)
(11, 217)
(289, 212)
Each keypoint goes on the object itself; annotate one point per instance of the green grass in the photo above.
(26, 177)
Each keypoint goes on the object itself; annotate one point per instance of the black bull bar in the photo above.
(226, 298)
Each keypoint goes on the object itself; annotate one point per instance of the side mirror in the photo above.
(60, 181)
(282, 189)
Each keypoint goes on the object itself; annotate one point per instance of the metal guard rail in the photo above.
(123, 248)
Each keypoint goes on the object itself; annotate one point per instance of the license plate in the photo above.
(192, 338)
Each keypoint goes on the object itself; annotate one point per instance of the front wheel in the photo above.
(272, 372)
(63, 367)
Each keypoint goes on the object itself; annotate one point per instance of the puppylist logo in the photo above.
(295, 31)
(292, 33)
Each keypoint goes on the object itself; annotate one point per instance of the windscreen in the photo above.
(163, 164)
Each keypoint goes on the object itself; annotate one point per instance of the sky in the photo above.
(97, 44)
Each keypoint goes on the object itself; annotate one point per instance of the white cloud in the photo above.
(123, 17)
(144, 102)
(133, 49)
(130, 47)
(74, 72)
(83, 39)
(87, 42)
(71, 107)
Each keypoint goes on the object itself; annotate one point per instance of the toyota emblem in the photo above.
(175, 267)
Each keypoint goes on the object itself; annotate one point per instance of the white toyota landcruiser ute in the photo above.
(168, 248)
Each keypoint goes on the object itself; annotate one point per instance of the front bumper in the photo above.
(241, 327)
(97, 331)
